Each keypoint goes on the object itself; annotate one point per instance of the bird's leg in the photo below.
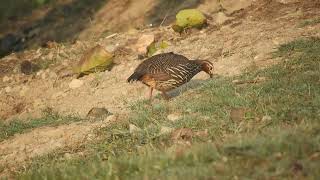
(150, 94)
(165, 96)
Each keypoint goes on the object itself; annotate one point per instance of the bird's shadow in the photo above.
(193, 84)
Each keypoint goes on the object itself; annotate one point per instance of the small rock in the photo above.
(90, 137)
(143, 43)
(133, 128)
(110, 48)
(8, 89)
(107, 120)
(23, 91)
(39, 72)
(174, 117)
(221, 18)
(98, 113)
(75, 83)
(6, 79)
(26, 67)
(224, 159)
(44, 75)
(67, 156)
(53, 75)
(266, 118)
(203, 133)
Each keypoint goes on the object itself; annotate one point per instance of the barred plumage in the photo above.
(167, 71)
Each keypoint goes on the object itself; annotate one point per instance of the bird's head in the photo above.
(207, 67)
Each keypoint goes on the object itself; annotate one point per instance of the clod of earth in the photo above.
(26, 67)
(98, 113)
(185, 134)
(237, 114)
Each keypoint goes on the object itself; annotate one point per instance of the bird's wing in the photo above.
(184, 71)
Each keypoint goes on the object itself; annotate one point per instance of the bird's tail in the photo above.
(134, 77)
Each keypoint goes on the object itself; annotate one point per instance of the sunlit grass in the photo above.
(275, 133)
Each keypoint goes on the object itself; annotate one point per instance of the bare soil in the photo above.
(247, 40)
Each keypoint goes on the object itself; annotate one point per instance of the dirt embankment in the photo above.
(237, 38)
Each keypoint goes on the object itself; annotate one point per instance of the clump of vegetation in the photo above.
(189, 18)
(49, 118)
(257, 129)
(310, 22)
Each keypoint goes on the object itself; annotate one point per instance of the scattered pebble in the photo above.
(165, 130)
(8, 89)
(23, 91)
(133, 128)
(75, 83)
(266, 118)
(6, 79)
(174, 117)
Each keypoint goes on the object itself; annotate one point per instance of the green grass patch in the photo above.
(49, 119)
(310, 22)
(265, 129)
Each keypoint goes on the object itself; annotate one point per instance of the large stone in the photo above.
(95, 60)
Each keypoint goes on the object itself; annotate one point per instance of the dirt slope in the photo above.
(247, 39)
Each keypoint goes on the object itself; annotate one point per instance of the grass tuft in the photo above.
(310, 22)
(49, 118)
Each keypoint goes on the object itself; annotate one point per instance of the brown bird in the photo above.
(168, 71)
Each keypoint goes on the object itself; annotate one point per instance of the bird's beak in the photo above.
(211, 75)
